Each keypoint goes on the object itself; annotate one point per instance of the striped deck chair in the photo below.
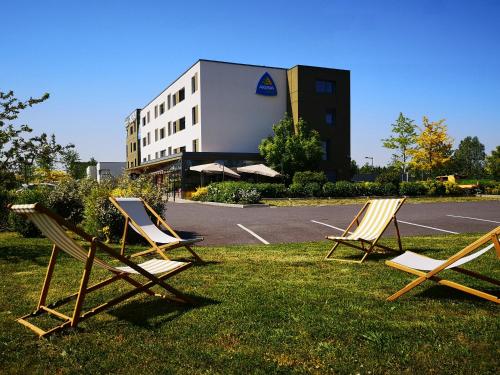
(378, 214)
(428, 268)
(136, 216)
(54, 227)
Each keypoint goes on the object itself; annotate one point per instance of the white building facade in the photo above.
(212, 107)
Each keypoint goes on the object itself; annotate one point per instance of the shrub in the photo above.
(5, 199)
(306, 177)
(271, 190)
(102, 219)
(67, 201)
(434, 188)
(28, 196)
(390, 189)
(452, 188)
(389, 176)
(369, 189)
(329, 189)
(345, 189)
(296, 190)
(412, 189)
(233, 192)
(200, 194)
(312, 189)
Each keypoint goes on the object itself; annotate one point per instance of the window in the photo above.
(325, 145)
(131, 130)
(144, 159)
(135, 146)
(162, 108)
(170, 150)
(174, 127)
(330, 117)
(196, 145)
(194, 83)
(168, 101)
(170, 128)
(131, 147)
(149, 157)
(182, 149)
(162, 153)
(156, 135)
(144, 121)
(156, 111)
(325, 87)
(182, 95)
(181, 123)
(174, 100)
(194, 114)
(156, 155)
(148, 116)
(144, 141)
(162, 133)
(149, 138)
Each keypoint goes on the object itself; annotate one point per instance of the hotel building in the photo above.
(219, 111)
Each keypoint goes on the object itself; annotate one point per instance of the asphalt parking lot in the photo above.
(227, 225)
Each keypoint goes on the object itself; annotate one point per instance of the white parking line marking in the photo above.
(254, 234)
(474, 218)
(425, 226)
(328, 225)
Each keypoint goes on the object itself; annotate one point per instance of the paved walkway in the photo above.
(224, 225)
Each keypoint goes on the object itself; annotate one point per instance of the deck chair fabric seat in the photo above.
(378, 214)
(423, 263)
(429, 269)
(55, 229)
(136, 216)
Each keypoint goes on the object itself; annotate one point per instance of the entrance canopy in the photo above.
(259, 169)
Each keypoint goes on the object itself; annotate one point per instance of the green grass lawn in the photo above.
(259, 309)
(361, 200)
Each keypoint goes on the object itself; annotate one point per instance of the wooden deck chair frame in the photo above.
(433, 275)
(78, 315)
(366, 246)
(161, 249)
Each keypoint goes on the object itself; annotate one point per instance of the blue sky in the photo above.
(101, 59)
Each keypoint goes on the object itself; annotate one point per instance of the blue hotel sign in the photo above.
(266, 86)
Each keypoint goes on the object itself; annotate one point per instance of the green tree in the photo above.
(70, 160)
(292, 148)
(493, 164)
(17, 150)
(433, 147)
(404, 135)
(468, 158)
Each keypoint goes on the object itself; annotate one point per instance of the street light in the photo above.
(371, 158)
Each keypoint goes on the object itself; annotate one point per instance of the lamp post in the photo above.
(371, 158)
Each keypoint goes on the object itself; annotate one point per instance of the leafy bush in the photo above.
(435, 188)
(345, 189)
(329, 189)
(306, 177)
(28, 196)
(390, 189)
(200, 194)
(233, 192)
(312, 189)
(389, 176)
(296, 190)
(370, 189)
(271, 190)
(102, 219)
(5, 199)
(67, 201)
(452, 188)
(412, 189)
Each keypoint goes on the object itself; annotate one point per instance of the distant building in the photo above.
(219, 111)
(106, 170)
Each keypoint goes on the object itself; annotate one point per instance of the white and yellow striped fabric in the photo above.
(52, 230)
(378, 214)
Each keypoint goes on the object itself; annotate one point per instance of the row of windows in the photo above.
(172, 127)
(170, 151)
(172, 101)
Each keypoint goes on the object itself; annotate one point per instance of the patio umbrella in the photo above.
(260, 169)
(214, 168)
